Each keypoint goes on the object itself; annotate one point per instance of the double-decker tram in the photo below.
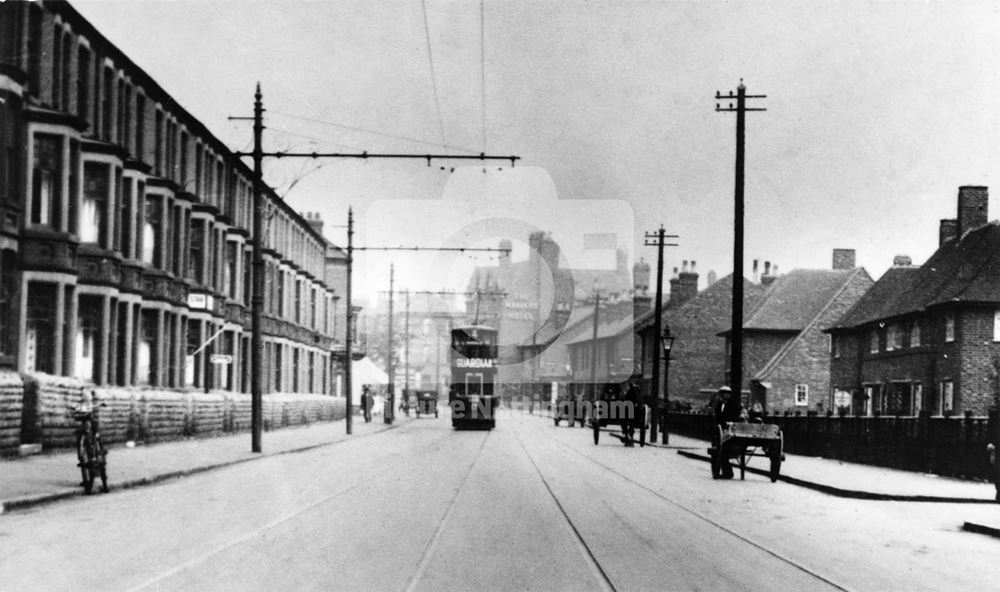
(472, 396)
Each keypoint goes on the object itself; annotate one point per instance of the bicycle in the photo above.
(90, 451)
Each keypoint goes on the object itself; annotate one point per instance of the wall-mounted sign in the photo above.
(200, 301)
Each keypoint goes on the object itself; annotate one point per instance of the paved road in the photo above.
(525, 507)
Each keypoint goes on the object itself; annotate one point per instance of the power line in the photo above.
(368, 131)
(430, 60)
(482, 64)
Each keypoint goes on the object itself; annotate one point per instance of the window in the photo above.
(57, 64)
(949, 327)
(158, 144)
(946, 398)
(46, 180)
(802, 395)
(229, 281)
(140, 126)
(151, 241)
(93, 216)
(125, 215)
(82, 83)
(835, 346)
(196, 251)
(873, 341)
(897, 336)
(107, 105)
(918, 398)
(146, 361)
(915, 334)
(39, 351)
(88, 338)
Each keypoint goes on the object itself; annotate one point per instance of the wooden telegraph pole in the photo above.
(736, 331)
(658, 239)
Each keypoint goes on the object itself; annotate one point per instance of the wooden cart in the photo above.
(741, 441)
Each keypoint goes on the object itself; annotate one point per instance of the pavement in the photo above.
(33, 480)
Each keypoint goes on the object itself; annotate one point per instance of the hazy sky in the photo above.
(877, 113)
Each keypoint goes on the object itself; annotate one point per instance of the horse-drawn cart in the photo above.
(742, 440)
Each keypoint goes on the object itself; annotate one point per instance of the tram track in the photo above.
(701, 516)
(431, 546)
(595, 565)
(388, 469)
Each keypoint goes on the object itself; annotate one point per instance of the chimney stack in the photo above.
(947, 231)
(640, 277)
(313, 219)
(902, 261)
(755, 270)
(972, 208)
(843, 259)
(684, 287)
(767, 279)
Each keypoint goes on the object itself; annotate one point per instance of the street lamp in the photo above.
(667, 341)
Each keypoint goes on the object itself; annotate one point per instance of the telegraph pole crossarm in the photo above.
(736, 329)
(658, 239)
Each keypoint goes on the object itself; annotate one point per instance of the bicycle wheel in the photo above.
(102, 463)
(84, 456)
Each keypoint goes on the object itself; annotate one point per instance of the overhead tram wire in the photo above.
(482, 64)
(430, 60)
(372, 132)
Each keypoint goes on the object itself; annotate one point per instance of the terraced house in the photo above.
(927, 338)
(125, 229)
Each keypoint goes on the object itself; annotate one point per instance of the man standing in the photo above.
(725, 410)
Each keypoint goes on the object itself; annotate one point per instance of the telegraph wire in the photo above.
(372, 132)
(430, 60)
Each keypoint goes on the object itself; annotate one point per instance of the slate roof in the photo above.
(965, 270)
(722, 288)
(794, 300)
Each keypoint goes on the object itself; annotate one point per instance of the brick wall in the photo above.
(979, 362)
(147, 415)
(11, 397)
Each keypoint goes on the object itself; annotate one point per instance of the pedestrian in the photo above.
(367, 402)
(634, 414)
(725, 411)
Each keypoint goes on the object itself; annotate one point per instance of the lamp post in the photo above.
(667, 341)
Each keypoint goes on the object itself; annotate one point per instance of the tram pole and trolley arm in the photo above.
(257, 298)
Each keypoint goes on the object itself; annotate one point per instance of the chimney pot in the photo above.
(843, 259)
(901, 261)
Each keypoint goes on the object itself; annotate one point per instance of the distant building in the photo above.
(531, 301)
(927, 338)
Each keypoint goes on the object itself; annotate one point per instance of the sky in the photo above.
(876, 113)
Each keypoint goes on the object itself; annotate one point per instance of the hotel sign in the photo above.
(200, 301)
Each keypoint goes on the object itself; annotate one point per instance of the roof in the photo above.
(605, 330)
(961, 270)
(722, 289)
(794, 300)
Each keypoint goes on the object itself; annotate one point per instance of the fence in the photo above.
(951, 446)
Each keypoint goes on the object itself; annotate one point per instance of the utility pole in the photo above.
(348, 334)
(659, 241)
(593, 353)
(406, 358)
(736, 330)
(257, 302)
(257, 298)
(391, 411)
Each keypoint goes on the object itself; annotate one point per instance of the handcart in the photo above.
(743, 440)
